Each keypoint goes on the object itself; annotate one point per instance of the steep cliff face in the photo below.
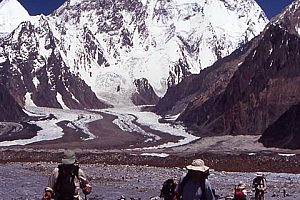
(145, 94)
(9, 108)
(265, 85)
(34, 72)
(285, 132)
(198, 88)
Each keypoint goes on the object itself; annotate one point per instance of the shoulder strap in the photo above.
(76, 171)
(203, 190)
(182, 183)
(57, 185)
(60, 172)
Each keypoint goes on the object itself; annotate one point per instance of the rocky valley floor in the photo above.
(110, 182)
(124, 157)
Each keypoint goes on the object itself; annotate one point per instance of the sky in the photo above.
(34, 7)
(273, 7)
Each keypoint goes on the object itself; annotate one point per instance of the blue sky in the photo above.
(34, 7)
(273, 7)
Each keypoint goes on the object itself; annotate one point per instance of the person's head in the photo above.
(69, 157)
(241, 185)
(198, 169)
(259, 174)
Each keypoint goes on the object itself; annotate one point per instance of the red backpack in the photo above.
(239, 194)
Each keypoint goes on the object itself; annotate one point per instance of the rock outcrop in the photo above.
(284, 132)
(9, 108)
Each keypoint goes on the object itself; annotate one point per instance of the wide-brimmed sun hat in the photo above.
(241, 185)
(198, 165)
(259, 174)
(68, 157)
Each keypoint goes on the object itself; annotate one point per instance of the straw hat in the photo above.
(197, 165)
(69, 157)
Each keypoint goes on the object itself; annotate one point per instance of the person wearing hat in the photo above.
(259, 185)
(194, 184)
(240, 192)
(66, 180)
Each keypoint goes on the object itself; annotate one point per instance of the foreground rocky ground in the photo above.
(27, 180)
(121, 163)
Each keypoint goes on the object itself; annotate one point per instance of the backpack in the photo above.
(239, 194)
(259, 182)
(184, 182)
(64, 187)
(168, 189)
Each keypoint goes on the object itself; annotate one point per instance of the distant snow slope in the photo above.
(112, 43)
(12, 13)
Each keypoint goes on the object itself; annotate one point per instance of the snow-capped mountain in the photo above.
(125, 51)
(12, 13)
(111, 44)
(34, 72)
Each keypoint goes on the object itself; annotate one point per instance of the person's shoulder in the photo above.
(183, 176)
(80, 170)
(207, 183)
(56, 169)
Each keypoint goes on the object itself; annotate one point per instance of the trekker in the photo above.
(66, 180)
(194, 185)
(259, 186)
(168, 189)
(240, 192)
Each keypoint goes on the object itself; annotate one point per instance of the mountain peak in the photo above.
(73, 2)
(12, 13)
(288, 19)
(162, 41)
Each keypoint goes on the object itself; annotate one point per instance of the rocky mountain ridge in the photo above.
(263, 86)
(34, 72)
(10, 110)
